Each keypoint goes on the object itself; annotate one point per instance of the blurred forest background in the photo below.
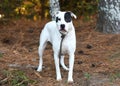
(97, 56)
(39, 9)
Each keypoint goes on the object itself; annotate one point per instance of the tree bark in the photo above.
(54, 6)
(109, 16)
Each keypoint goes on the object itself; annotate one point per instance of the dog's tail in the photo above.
(63, 64)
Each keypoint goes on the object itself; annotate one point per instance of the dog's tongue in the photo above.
(63, 30)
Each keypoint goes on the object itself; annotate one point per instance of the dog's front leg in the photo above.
(57, 66)
(71, 64)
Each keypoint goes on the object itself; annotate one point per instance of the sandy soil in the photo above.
(97, 58)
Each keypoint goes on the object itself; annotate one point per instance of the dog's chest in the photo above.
(67, 46)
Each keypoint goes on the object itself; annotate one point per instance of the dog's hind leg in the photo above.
(40, 52)
(63, 63)
(43, 43)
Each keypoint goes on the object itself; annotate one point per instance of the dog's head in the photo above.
(64, 21)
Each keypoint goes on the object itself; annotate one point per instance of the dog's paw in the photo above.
(70, 80)
(59, 79)
(39, 69)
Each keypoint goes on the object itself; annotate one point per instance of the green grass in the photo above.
(1, 55)
(87, 75)
(114, 76)
(16, 78)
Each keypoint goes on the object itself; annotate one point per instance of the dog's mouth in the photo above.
(63, 31)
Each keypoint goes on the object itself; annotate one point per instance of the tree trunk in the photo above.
(109, 16)
(54, 6)
(42, 9)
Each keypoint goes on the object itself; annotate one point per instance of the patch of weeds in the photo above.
(16, 78)
(87, 75)
(1, 55)
(115, 55)
(114, 76)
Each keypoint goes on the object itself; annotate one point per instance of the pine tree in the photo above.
(109, 16)
(54, 6)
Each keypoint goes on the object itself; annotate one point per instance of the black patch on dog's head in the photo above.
(68, 17)
(57, 19)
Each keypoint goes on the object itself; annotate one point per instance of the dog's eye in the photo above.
(67, 17)
(57, 19)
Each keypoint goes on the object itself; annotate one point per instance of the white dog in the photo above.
(52, 32)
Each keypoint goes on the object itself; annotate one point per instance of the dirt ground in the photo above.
(97, 58)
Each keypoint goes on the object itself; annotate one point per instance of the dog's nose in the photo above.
(62, 26)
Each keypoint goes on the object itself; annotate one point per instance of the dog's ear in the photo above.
(73, 15)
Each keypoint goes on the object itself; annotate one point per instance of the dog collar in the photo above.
(63, 36)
